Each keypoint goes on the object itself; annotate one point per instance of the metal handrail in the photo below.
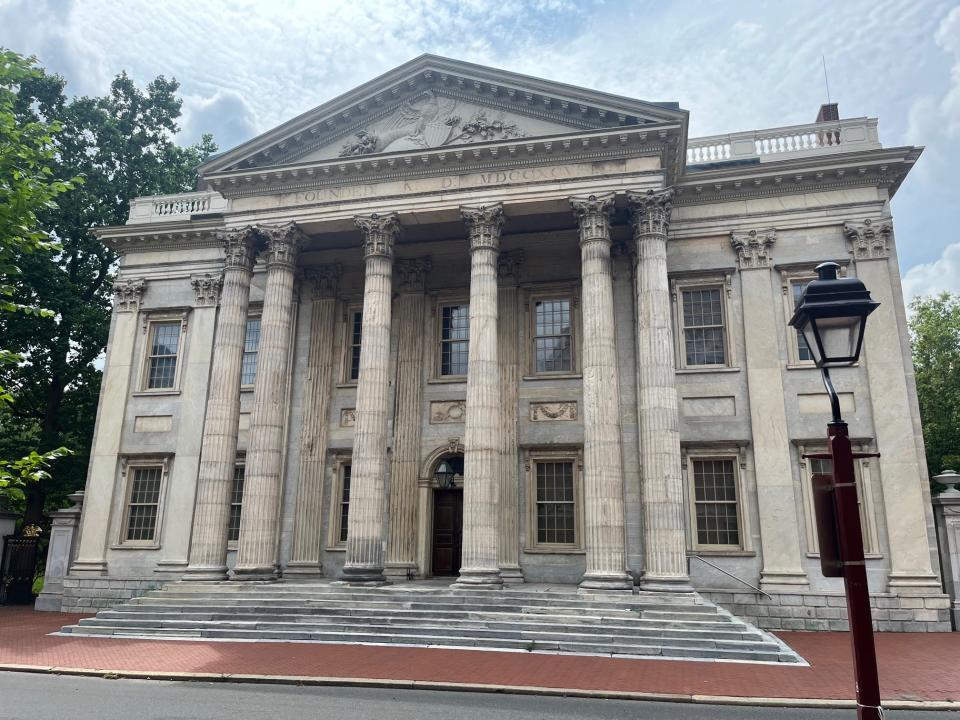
(739, 580)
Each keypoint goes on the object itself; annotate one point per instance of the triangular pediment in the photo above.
(433, 102)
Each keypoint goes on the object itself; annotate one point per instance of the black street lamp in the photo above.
(832, 314)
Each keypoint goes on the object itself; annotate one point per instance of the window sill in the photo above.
(336, 548)
(246, 389)
(452, 379)
(866, 556)
(554, 376)
(732, 552)
(155, 393)
(347, 385)
(132, 546)
(801, 366)
(541, 550)
(697, 370)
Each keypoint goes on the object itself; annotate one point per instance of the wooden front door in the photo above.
(447, 531)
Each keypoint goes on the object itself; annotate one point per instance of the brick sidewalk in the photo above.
(913, 666)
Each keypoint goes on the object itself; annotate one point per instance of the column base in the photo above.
(904, 584)
(363, 576)
(479, 579)
(601, 583)
(205, 574)
(783, 582)
(303, 570)
(262, 574)
(665, 583)
(87, 568)
(511, 575)
(400, 572)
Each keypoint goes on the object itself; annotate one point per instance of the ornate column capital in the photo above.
(324, 279)
(870, 240)
(753, 247)
(283, 244)
(650, 211)
(379, 232)
(483, 224)
(207, 288)
(127, 294)
(508, 266)
(412, 274)
(593, 214)
(240, 247)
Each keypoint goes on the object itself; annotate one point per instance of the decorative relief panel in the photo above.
(447, 411)
(547, 411)
(348, 417)
(870, 239)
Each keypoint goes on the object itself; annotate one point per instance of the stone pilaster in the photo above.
(602, 441)
(482, 440)
(779, 525)
(114, 391)
(890, 376)
(508, 349)
(218, 449)
(411, 307)
(364, 558)
(305, 551)
(259, 523)
(664, 542)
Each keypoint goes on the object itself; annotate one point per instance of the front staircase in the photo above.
(532, 618)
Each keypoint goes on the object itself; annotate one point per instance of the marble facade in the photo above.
(401, 249)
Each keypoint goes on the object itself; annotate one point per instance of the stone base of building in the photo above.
(828, 611)
(84, 595)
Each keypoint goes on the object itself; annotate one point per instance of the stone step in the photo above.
(425, 626)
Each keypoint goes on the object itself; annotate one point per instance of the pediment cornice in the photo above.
(166, 236)
(342, 118)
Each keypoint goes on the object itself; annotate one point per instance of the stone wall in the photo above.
(87, 595)
(828, 611)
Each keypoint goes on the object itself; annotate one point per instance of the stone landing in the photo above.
(527, 618)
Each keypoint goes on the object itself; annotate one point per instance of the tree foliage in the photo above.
(935, 336)
(122, 145)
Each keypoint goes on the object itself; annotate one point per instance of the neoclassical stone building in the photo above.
(462, 322)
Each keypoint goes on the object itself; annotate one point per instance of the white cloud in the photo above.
(933, 278)
(226, 115)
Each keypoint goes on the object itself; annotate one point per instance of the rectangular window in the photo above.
(356, 333)
(553, 336)
(236, 503)
(871, 546)
(344, 501)
(162, 356)
(143, 504)
(556, 504)
(251, 346)
(704, 335)
(715, 502)
(803, 351)
(454, 339)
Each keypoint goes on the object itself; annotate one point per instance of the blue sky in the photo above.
(248, 65)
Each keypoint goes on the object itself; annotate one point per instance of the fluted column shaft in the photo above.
(664, 543)
(218, 453)
(404, 467)
(602, 440)
(364, 559)
(259, 522)
(481, 486)
(305, 552)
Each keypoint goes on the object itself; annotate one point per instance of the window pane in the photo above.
(236, 504)
(166, 338)
(704, 346)
(454, 339)
(162, 366)
(345, 502)
(144, 501)
(715, 498)
(803, 350)
(355, 335)
(556, 511)
(552, 341)
(703, 326)
(251, 344)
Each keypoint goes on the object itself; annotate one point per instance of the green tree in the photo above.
(935, 336)
(123, 146)
(29, 186)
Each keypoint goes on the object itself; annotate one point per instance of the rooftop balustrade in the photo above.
(168, 208)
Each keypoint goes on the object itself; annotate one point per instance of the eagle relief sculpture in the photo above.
(428, 121)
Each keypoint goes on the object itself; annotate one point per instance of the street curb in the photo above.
(304, 680)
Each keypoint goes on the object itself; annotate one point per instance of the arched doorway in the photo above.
(447, 516)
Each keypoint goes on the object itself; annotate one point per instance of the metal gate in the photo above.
(17, 568)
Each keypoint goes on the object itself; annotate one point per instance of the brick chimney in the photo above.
(828, 113)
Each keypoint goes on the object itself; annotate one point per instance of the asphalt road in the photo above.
(25, 696)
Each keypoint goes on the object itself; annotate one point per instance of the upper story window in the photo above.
(164, 339)
(236, 503)
(356, 332)
(251, 347)
(803, 350)
(701, 317)
(553, 336)
(454, 339)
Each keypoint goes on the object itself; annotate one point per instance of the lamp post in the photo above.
(445, 475)
(832, 314)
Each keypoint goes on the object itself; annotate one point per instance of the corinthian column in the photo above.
(481, 483)
(411, 305)
(305, 552)
(664, 544)
(364, 560)
(257, 548)
(218, 451)
(602, 442)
